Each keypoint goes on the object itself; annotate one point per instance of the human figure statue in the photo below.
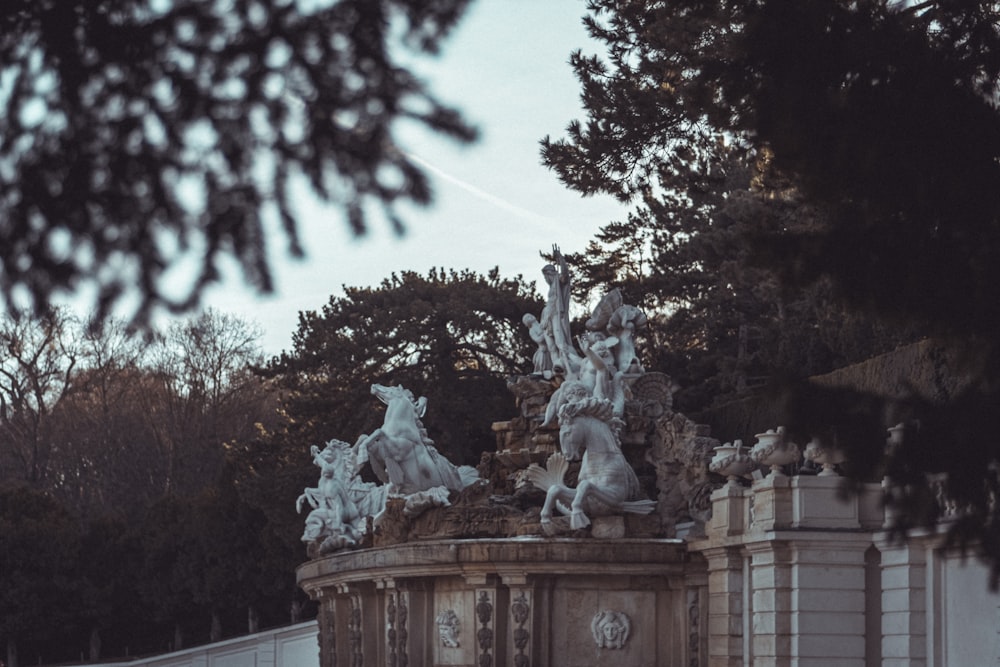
(613, 317)
(623, 324)
(542, 359)
(335, 518)
(599, 374)
(555, 316)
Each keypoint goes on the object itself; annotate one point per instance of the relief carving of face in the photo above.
(448, 628)
(611, 629)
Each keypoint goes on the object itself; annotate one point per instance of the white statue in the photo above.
(624, 322)
(542, 359)
(400, 452)
(333, 529)
(555, 316)
(598, 379)
(336, 520)
(607, 483)
(620, 320)
(599, 374)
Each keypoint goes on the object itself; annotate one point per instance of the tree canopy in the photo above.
(116, 448)
(135, 134)
(451, 336)
(881, 119)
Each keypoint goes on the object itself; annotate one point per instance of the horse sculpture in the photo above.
(340, 501)
(400, 452)
(607, 483)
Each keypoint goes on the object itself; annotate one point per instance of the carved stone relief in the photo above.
(403, 633)
(354, 633)
(328, 637)
(694, 632)
(391, 634)
(520, 610)
(611, 629)
(484, 613)
(448, 628)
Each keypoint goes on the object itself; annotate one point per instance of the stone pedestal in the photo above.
(787, 574)
(904, 602)
(518, 602)
(727, 606)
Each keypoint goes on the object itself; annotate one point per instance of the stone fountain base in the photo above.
(518, 601)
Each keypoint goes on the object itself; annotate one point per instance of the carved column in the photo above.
(521, 627)
(403, 627)
(391, 631)
(355, 632)
(417, 632)
(520, 619)
(694, 612)
(485, 630)
(327, 631)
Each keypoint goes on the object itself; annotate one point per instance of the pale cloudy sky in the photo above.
(506, 67)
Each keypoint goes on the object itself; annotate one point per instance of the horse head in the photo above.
(398, 393)
(586, 423)
(402, 413)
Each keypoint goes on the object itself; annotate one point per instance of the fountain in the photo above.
(565, 546)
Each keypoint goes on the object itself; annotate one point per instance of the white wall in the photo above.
(965, 616)
(290, 646)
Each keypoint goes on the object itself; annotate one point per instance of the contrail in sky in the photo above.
(486, 196)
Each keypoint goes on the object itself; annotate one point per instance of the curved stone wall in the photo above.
(515, 601)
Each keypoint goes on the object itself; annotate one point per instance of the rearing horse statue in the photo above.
(607, 483)
(400, 452)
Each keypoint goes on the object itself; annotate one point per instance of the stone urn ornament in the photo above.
(732, 461)
(828, 456)
(773, 449)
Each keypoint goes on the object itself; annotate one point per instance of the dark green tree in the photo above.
(721, 323)
(135, 133)
(881, 116)
(451, 336)
(228, 572)
(40, 545)
(169, 546)
(107, 573)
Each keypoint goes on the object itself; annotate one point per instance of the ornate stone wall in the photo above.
(519, 602)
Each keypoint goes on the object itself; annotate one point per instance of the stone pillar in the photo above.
(725, 606)
(355, 631)
(771, 503)
(808, 601)
(904, 602)
(486, 631)
(828, 608)
(771, 601)
(730, 512)
(391, 596)
(520, 636)
(807, 548)
(417, 645)
(327, 622)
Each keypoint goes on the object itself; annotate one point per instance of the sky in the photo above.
(506, 68)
